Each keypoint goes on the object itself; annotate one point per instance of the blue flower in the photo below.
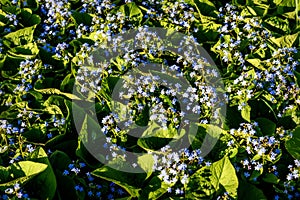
(81, 164)
(49, 135)
(71, 166)
(66, 172)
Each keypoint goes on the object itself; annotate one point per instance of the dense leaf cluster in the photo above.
(44, 46)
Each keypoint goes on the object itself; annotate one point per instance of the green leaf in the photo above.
(4, 174)
(204, 7)
(11, 112)
(142, 119)
(285, 41)
(45, 182)
(121, 109)
(35, 133)
(256, 63)
(68, 83)
(90, 131)
(60, 160)
(82, 18)
(260, 7)
(10, 67)
(246, 113)
(271, 178)
(256, 157)
(154, 189)
(2, 61)
(278, 25)
(27, 51)
(264, 105)
(86, 156)
(33, 4)
(223, 174)
(155, 137)
(19, 37)
(233, 118)
(208, 31)
(146, 162)
(155, 130)
(284, 6)
(200, 185)
(29, 19)
(90, 139)
(248, 191)
(23, 171)
(65, 184)
(3, 19)
(255, 174)
(53, 110)
(39, 88)
(292, 145)
(297, 75)
(30, 168)
(131, 10)
(206, 137)
(131, 182)
(267, 127)
(248, 11)
(47, 57)
(55, 100)
(10, 8)
(153, 143)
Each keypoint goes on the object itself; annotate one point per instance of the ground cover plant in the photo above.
(116, 99)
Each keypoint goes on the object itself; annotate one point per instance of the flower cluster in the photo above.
(290, 183)
(15, 192)
(242, 45)
(13, 144)
(174, 168)
(57, 16)
(148, 90)
(241, 35)
(259, 149)
(173, 14)
(161, 92)
(29, 72)
(12, 18)
(96, 7)
(94, 188)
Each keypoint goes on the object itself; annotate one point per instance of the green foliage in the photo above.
(267, 126)
(45, 181)
(50, 124)
(246, 113)
(223, 175)
(292, 145)
(20, 172)
(129, 181)
(249, 191)
(19, 37)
